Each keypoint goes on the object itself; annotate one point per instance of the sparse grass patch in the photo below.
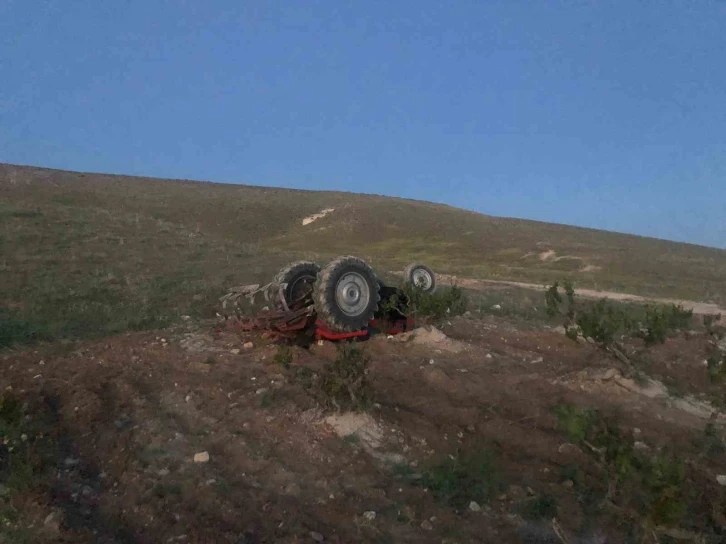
(655, 486)
(342, 384)
(541, 507)
(466, 478)
(210, 361)
(712, 442)
(283, 356)
(28, 456)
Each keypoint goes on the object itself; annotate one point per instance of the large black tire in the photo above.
(420, 276)
(296, 280)
(346, 294)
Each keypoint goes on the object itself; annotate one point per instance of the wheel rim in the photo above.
(422, 279)
(352, 294)
(300, 288)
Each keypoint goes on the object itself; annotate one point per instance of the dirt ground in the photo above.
(185, 435)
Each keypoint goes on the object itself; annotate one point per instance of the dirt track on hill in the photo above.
(701, 308)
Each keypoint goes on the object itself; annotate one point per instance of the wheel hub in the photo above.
(352, 294)
(422, 279)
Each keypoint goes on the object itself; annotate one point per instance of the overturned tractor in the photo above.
(342, 300)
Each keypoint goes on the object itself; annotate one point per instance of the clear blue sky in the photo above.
(608, 114)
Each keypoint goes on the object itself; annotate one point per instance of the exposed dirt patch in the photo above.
(316, 216)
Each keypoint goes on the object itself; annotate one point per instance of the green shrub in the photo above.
(445, 302)
(603, 321)
(655, 485)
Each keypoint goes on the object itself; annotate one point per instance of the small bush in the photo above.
(709, 321)
(716, 368)
(458, 481)
(659, 321)
(603, 322)
(210, 361)
(344, 382)
(283, 357)
(17, 330)
(542, 507)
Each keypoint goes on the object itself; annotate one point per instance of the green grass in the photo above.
(87, 255)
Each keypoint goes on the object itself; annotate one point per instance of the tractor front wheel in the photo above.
(421, 277)
(346, 294)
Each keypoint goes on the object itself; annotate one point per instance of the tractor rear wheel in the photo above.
(346, 294)
(296, 282)
(420, 276)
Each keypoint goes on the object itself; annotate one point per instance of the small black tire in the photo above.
(296, 281)
(421, 277)
(346, 294)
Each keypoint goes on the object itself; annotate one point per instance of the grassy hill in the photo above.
(91, 254)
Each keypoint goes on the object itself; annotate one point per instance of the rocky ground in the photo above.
(196, 434)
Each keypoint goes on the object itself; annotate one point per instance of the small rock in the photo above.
(71, 462)
(185, 318)
(467, 313)
(497, 307)
(317, 537)
(474, 506)
(211, 481)
(321, 342)
(41, 362)
(569, 449)
(201, 457)
(389, 337)
(163, 472)
(52, 521)
(248, 345)
(426, 525)
(530, 491)
(261, 391)
(488, 355)
(234, 351)
(568, 484)
(641, 446)
(721, 479)
(431, 362)
(636, 431)
(370, 515)
(536, 361)
(502, 497)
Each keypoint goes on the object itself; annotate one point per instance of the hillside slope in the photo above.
(93, 253)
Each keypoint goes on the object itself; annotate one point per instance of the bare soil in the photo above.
(132, 411)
